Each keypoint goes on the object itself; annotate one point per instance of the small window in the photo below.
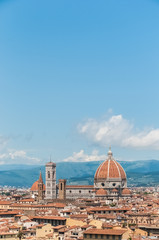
(61, 186)
(48, 174)
(114, 184)
(79, 191)
(107, 236)
(102, 184)
(70, 191)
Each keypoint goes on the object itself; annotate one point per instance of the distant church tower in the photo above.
(50, 174)
(41, 190)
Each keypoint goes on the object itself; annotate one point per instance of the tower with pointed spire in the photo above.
(41, 191)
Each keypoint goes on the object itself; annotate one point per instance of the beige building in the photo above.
(43, 230)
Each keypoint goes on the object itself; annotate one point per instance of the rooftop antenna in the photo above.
(50, 158)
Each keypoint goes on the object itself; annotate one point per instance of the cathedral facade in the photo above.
(110, 183)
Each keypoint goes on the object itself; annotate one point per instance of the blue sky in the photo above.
(76, 77)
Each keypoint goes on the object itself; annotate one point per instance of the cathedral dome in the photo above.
(110, 169)
(35, 186)
(110, 174)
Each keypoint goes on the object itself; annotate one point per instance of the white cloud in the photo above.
(18, 157)
(3, 141)
(17, 154)
(119, 131)
(83, 157)
(13, 156)
(21, 154)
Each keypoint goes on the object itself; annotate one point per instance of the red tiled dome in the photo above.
(35, 186)
(126, 191)
(109, 169)
(101, 191)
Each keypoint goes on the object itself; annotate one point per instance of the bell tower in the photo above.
(50, 173)
(41, 191)
(62, 189)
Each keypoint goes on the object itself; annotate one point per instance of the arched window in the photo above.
(48, 174)
(61, 186)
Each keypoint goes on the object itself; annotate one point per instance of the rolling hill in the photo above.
(139, 173)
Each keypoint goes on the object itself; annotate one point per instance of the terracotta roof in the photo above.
(105, 231)
(27, 200)
(5, 202)
(79, 186)
(56, 205)
(79, 216)
(110, 168)
(114, 190)
(49, 217)
(35, 186)
(50, 163)
(126, 191)
(101, 191)
(106, 216)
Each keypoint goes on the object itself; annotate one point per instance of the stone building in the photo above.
(110, 183)
(37, 185)
(79, 191)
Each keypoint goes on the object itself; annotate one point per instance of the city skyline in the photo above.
(77, 77)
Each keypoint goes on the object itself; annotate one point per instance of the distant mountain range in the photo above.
(139, 173)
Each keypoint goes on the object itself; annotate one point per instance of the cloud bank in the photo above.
(17, 157)
(118, 131)
(81, 156)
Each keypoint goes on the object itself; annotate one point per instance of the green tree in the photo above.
(20, 235)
